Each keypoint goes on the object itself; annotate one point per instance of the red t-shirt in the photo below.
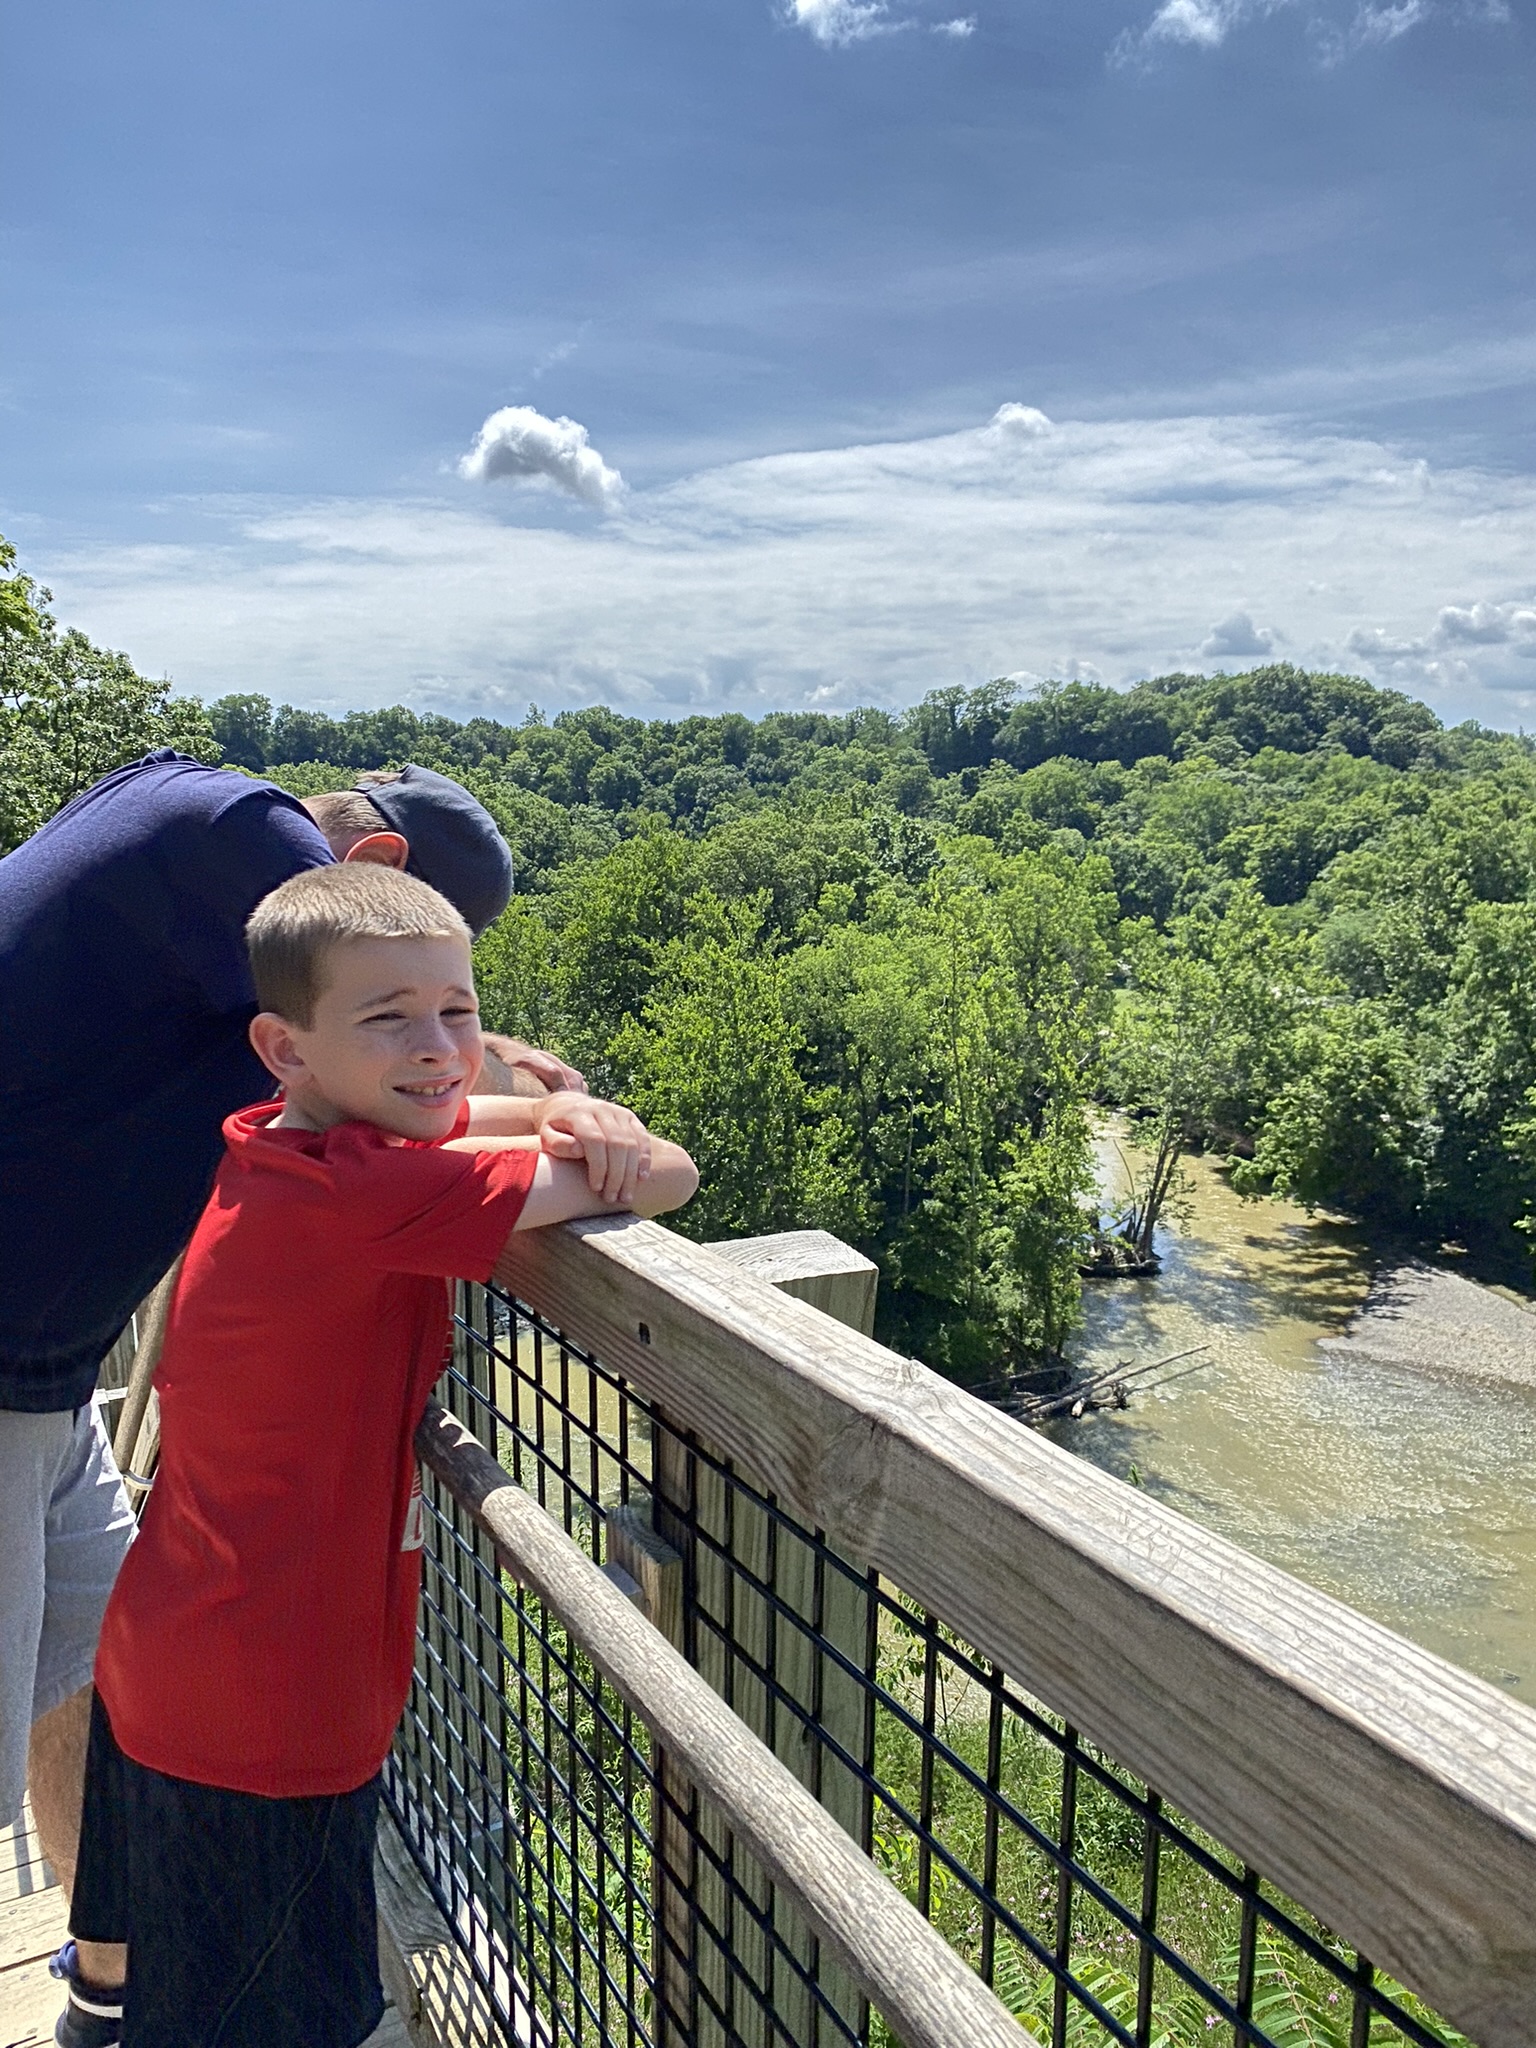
(260, 1636)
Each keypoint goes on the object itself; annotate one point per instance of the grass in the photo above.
(1296, 2000)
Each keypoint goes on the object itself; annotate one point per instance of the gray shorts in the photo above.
(65, 1527)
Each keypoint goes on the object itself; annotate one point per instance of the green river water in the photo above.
(1410, 1494)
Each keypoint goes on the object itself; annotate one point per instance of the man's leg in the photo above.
(88, 1528)
(32, 1451)
(56, 1779)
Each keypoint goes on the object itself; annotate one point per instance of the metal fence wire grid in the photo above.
(596, 1902)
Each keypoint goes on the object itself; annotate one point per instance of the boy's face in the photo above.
(394, 1041)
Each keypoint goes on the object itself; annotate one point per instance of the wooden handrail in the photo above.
(1390, 1793)
(897, 1958)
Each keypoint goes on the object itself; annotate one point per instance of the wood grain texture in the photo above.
(33, 1927)
(136, 1441)
(813, 1266)
(654, 1566)
(634, 1545)
(1389, 1792)
(831, 1276)
(931, 1999)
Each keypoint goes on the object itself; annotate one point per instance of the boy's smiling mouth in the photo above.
(429, 1091)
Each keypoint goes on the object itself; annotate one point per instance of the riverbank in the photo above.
(1360, 1417)
(1424, 1318)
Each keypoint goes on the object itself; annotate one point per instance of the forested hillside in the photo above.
(878, 969)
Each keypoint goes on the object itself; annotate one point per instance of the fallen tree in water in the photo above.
(1054, 1391)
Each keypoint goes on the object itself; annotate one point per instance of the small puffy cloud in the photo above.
(1373, 643)
(1018, 422)
(962, 26)
(518, 442)
(1205, 23)
(1486, 625)
(1237, 637)
(834, 22)
(1202, 24)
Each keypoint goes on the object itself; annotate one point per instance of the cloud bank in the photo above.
(1336, 34)
(519, 443)
(836, 23)
(867, 574)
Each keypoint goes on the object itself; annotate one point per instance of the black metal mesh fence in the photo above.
(597, 1904)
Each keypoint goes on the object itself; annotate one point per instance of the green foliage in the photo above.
(1308, 908)
(1351, 1127)
(71, 712)
(713, 1063)
(19, 595)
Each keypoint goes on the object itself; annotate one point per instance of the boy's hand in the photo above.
(550, 1072)
(614, 1143)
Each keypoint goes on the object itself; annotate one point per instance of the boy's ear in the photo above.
(273, 1041)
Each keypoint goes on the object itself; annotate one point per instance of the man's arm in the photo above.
(545, 1069)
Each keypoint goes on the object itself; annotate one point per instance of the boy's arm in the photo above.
(614, 1143)
(562, 1188)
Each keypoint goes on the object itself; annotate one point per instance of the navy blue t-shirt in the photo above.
(124, 1001)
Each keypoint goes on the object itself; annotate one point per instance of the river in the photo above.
(1408, 1493)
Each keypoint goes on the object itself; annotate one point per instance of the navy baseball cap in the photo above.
(455, 844)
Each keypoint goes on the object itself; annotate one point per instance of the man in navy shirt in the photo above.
(124, 1004)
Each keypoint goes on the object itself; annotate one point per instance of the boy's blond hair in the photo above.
(291, 932)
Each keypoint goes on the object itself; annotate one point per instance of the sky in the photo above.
(694, 355)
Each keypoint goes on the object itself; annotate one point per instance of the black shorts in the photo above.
(250, 1922)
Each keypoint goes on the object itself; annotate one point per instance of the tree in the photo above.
(516, 978)
(19, 617)
(1351, 1128)
(1166, 1064)
(243, 728)
(713, 1066)
(71, 712)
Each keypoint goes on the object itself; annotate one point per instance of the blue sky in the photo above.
(912, 344)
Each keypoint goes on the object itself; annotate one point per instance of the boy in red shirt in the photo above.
(257, 1651)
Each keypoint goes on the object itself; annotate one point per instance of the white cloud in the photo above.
(1367, 24)
(854, 575)
(834, 22)
(1376, 644)
(1203, 24)
(518, 442)
(1019, 422)
(1488, 625)
(1237, 638)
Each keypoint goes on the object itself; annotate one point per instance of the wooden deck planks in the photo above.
(33, 1922)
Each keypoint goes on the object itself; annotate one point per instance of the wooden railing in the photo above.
(897, 1959)
(1386, 1792)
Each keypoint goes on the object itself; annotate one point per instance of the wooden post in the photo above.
(656, 1570)
(136, 1440)
(691, 1496)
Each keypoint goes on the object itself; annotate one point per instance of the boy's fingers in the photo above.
(614, 1143)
